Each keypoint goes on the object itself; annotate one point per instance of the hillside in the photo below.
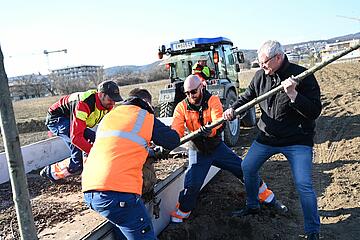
(250, 55)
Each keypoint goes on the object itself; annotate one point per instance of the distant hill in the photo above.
(109, 72)
(330, 40)
(250, 55)
(344, 38)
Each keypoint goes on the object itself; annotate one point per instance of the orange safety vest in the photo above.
(116, 160)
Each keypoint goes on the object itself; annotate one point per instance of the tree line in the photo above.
(31, 86)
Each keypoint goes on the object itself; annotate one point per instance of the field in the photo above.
(30, 114)
(336, 176)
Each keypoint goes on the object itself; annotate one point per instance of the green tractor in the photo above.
(223, 59)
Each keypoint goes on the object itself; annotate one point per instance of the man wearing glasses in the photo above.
(194, 112)
(286, 126)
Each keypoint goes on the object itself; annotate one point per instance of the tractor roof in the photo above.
(186, 45)
(217, 40)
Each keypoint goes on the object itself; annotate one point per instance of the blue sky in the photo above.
(114, 32)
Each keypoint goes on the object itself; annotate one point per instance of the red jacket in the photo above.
(84, 110)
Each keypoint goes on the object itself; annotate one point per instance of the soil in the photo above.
(336, 176)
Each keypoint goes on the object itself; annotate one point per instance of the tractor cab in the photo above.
(221, 57)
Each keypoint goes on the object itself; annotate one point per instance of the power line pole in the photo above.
(352, 18)
(14, 158)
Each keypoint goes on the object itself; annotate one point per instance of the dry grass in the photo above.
(36, 108)
(153, 87)
(245, 76)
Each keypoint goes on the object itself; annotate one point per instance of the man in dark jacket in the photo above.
(286, 126)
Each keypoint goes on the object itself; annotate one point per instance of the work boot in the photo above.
(313, 236)
(245, 211)
(178, 216)
(46, 173)
(277, 206)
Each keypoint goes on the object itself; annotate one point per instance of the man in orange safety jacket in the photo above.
(112, 177)
(194, 112)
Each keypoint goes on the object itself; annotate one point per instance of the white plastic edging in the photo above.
(43, 153)
(37, 155)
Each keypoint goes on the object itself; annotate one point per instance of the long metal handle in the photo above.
(253, 102)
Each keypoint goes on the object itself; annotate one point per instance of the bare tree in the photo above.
(29, 86)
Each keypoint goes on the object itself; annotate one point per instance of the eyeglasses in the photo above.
(194, 91)
(266, 61)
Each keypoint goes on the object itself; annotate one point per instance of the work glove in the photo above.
(205, 131)
(161, 153)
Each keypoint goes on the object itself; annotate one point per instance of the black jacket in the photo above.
(283, 123)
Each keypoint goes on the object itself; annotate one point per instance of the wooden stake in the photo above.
(15, 162)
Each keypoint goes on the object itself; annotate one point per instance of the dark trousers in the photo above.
(125, 210)
(60, 126)
(199, 165)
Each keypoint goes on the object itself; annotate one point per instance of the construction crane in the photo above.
(46, 52)
(55, 51)
(352, 18)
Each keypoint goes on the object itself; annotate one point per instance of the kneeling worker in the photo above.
(71, 118)
(112, 177)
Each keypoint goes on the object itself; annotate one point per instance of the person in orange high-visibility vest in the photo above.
(112, 177)
(194, 112)
(71, 118)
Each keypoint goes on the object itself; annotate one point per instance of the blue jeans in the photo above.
(199, 165)
(61, 127)
(300, 158)
(125, 210)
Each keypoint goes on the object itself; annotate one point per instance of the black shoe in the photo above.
(277, 207)
(245, 211)
(312, 236)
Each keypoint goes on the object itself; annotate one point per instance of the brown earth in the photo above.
(336, 177)
(336, 180)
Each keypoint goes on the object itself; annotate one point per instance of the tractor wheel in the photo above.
(232, 129)
(249, 119)
(166, 109)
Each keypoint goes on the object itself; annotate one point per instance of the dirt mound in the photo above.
(31, 126)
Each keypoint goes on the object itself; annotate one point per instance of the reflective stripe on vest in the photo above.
(132, 135)
(117, 157)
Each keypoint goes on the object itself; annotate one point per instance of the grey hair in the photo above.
(271, 48)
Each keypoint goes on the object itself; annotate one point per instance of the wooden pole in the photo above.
(15, 162)
(261, 98)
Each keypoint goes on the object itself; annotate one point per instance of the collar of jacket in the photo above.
(98, 103)
(138, 102)
(204, 102)
(282, 71)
